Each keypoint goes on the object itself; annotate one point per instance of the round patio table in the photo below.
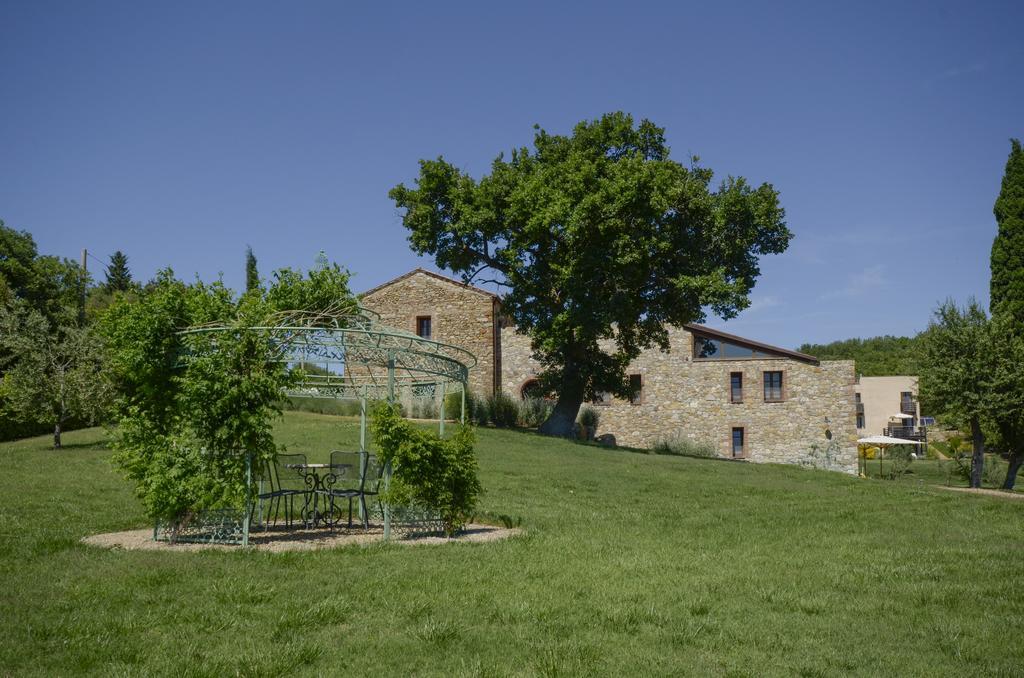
(315, 477)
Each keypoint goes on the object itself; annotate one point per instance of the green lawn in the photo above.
(631, 564)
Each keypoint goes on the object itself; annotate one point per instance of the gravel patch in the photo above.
(295, 539)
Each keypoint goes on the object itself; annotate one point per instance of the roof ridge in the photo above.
(432, 274)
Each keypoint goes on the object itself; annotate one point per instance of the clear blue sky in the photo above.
(180, 132)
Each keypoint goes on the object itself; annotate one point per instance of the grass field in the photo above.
(631, 564)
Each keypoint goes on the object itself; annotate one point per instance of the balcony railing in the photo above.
(907, 433)
(908, 407)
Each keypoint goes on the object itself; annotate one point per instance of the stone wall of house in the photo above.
(460, 315)
(517, 363)
(815, 424)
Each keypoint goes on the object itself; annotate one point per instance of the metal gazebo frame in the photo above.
(353, 356)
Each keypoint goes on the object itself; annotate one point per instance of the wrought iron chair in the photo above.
(282, 481)
(344, 481)
(373, 474)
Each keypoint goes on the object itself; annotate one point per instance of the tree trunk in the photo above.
(978, 459)
(1016, 461)
(562, 422)
(56, 435)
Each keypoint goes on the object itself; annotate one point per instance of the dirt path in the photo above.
(1001, 494)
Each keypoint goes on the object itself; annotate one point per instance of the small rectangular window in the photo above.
(636, 389)
(860, 420)
(772, 387)
(423, 326)
(603, 398)
(737, 441)
(736, 387)
(857, 395)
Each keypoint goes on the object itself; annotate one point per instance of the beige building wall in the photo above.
(881, 398)
(691, 399)
(461, 315)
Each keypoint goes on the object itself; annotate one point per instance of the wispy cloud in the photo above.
(762, 303)
(859, 284)
(954, 72)
(957, 71)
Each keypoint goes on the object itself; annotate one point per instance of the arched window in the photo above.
(530, 389)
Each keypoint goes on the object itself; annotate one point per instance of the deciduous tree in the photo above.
(56, 373)
(601, 242)
(48, 284)
(954, 374)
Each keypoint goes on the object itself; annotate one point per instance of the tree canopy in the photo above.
(875, 356)
(600, 241)
(48, 284)
(53, 373)
(1007, 283)
(956, 363)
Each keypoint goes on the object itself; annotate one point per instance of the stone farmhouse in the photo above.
(749, 400)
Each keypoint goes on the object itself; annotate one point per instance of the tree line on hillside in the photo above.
(875, 357)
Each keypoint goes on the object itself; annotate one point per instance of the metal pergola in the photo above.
(346, 355)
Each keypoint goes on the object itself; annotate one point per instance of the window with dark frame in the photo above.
(636, 389)
(737, 441)
(736, 387)
(706, 348)
(424, 326)
(860, 420)
(772, 387)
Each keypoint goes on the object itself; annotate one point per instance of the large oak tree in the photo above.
(601, 242)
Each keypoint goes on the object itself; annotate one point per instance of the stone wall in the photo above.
(460, 315)
(517, 363)
(690, 398)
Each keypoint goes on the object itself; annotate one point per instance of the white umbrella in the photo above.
(883, 442)
(901, 416)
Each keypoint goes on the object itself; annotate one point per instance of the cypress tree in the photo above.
(1007, 285)
(119, 278)
(252, 276)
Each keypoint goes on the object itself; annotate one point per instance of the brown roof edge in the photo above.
(701, 329)
(438, 276)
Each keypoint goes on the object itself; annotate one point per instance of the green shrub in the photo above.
(900, 459)
(588, 417)
(503, 410)
(423, 408)
(994, 472)
(534, 411)
(453, 405)
(428, 472)
(341, 408)
(476, 408)
(679, 446)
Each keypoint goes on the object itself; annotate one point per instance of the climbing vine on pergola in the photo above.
(342, 355)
